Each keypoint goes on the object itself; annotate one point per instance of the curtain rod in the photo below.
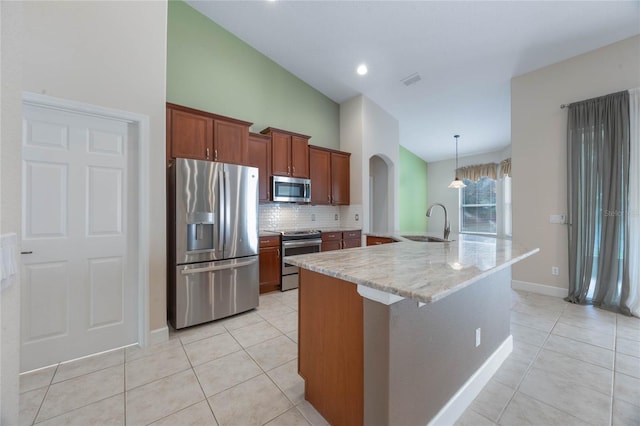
(563, 106)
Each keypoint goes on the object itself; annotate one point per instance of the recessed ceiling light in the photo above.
(362, 69)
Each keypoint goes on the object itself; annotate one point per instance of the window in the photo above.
(478, 207)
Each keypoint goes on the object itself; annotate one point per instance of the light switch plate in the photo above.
(557, 218)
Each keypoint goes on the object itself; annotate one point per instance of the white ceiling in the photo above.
(465, 52)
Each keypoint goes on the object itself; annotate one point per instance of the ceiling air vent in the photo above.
(412, 79)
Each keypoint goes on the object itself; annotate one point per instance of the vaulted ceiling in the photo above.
(464, 52)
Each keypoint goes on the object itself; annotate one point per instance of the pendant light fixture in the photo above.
(457, 183)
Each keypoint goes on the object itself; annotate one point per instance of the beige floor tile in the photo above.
(272, 311)
(153, 401)
(524, 351)
(544, 312)
(541, 299)
(592, 324)
(626, 388)
(273, 353)
(532, 321)
(528, 335)
(71, 369)
(136, 352)
(625, 414)
(627, 364)
(225, 372)
(241, 320)
(584, 335)
(523, 410)
(30, 404)
(196, 415)
(311, 414)
(254, 402)
(272, 297)
(472, 418)
(255, 333)
(493, 398)
(591, 376)
(286, 323)
(150, 368)
(108, 411)
(511, 372)
(628, 322)
(628, 347)
(627, 332)
(290, 298)
(292, 417)
(211, 348)
(37, 379)
(553, 390)
(199, 332)
(293, 336)
(80, 391)
(287, 379)
(581, 351)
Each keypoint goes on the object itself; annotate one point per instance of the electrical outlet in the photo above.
(555, 270)
(313, 217)
(557, 218)
(335, 217)
(357, 217)
(478, 336)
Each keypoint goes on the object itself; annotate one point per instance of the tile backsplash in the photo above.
(281, 216)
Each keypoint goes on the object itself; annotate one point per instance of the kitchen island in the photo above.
(404, 333)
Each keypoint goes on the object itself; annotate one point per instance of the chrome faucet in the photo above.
(447, 228)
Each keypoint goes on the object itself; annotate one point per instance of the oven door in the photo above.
(295, 247)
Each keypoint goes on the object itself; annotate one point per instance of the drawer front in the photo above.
(331, 236)
(270, 241)
(372, 241)
(350, 243)
(351, 235)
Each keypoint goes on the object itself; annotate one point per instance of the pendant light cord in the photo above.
(456, 136)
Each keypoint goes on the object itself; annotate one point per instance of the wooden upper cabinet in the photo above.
(340, 181)
(329, 171)
(191, 135)
(230, 142)
(201, 135)
(259, 156)
(320, 174)
(289, 153)
(280, 154)
(300, 156)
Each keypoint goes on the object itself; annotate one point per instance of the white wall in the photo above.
(111, 54)
(439, 176)
(538, 136)
(10, 148)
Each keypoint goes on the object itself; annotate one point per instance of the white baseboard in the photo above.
(158, 335)
(546, 290)
(450, 413)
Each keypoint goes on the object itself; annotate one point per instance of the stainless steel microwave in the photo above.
(293, 190)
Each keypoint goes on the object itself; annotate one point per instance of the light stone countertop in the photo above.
(421, 271)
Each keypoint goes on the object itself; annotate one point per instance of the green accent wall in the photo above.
(413, 192)
(210, 69)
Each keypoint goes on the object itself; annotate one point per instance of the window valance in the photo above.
(505, 167)
(476, 172)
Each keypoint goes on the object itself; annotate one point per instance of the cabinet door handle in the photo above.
(207, 153)
(288, 170)
(328, 198)
(294, 169)
(278, 252)
(26, 252)
(215, 154)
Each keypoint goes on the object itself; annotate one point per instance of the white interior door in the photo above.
(79, 277)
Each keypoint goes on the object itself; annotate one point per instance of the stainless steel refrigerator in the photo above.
(215, 241)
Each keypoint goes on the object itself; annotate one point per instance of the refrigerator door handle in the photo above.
(221, 212)
(218, 268)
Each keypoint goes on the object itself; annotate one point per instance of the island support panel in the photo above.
(330, 347)
(417, 358)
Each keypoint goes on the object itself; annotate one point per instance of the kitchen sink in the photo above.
(425, 239)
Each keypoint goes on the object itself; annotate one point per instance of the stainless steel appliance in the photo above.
(215, 241)
(293, 243)
(290, 189)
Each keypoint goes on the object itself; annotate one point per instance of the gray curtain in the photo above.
(598, 178)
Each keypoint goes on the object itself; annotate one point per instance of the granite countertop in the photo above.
(267, 233)
(421, 271)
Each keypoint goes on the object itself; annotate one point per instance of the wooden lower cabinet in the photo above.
(331, 347)
(374, 241)
(340, 240)
(270, 262)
